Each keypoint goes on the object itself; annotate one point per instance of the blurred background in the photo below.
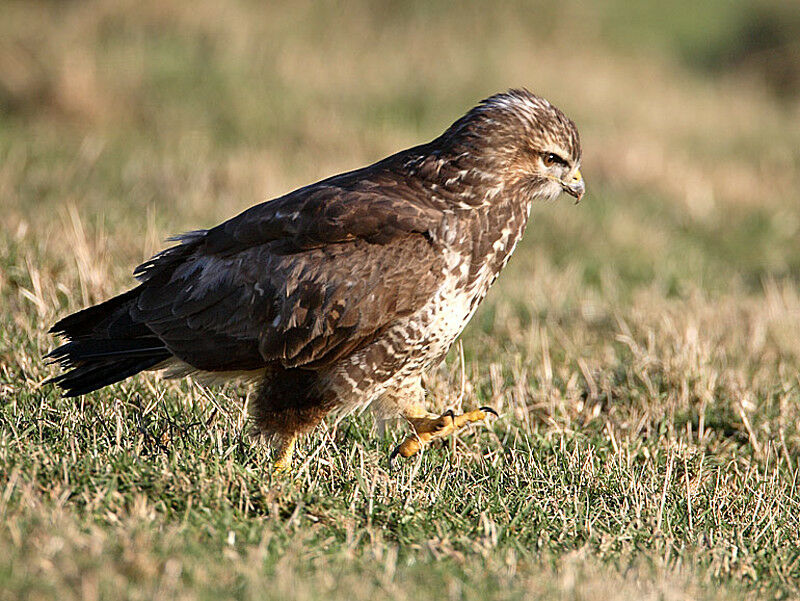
(150, 117)
(168, 115)
(123, 122)
(659, 318)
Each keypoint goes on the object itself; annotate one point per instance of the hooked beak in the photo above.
(575, 187)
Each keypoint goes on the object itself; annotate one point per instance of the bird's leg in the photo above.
(429, 427)
(284, 454)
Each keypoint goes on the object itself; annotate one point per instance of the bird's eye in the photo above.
(551, 159)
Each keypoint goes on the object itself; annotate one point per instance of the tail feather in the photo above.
(93, 376)
(80, 351)
(104, 345)
(85, 323)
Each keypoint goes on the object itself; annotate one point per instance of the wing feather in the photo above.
(302, 280)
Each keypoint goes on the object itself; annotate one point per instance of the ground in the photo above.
(642, 347)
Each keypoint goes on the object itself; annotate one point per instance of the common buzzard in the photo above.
(342, 293)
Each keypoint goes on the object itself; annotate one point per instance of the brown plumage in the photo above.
(343, 292)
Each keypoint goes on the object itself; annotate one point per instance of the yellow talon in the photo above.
(283, 461)
(427, 429)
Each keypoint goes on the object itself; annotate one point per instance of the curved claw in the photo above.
(428, 429)
(393, 456)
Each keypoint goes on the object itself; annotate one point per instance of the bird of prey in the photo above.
(342, 293)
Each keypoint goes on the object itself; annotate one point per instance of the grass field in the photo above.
(642, 347)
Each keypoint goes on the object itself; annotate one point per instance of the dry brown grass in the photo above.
(643, 346)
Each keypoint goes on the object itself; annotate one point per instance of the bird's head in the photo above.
(529, 143)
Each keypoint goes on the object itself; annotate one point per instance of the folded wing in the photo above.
(302, 280)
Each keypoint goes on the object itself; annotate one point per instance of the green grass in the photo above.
(642, 347)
